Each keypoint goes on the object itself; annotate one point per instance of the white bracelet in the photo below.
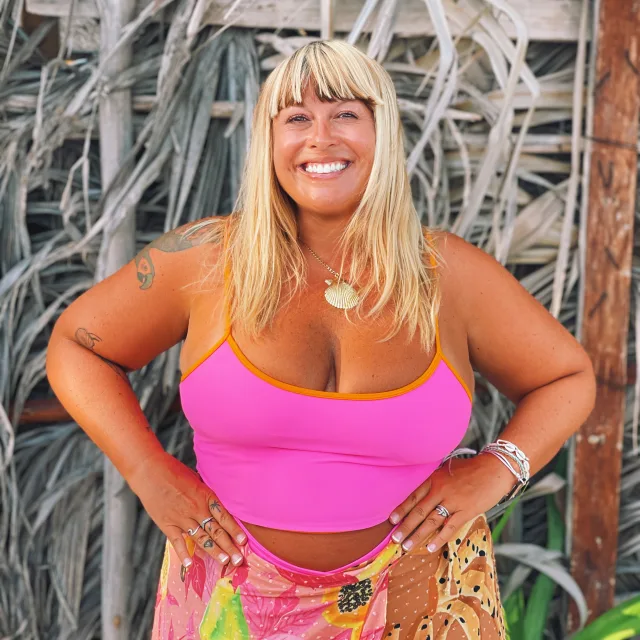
(506, 452)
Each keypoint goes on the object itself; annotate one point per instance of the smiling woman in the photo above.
(328, 357)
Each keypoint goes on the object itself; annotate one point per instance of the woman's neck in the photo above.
(322, 233)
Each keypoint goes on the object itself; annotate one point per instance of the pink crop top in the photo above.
(295, 459)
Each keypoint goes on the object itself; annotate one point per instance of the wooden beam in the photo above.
(545, 19)
(327, 8)
(598, 445)
(116, 140)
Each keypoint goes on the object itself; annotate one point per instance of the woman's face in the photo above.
(323, 154)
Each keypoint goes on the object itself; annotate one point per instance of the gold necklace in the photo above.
(338, 294)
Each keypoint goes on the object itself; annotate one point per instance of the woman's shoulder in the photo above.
(464, 269)
(184, 252)
(454, 254)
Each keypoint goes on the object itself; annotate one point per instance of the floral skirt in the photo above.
(395, 595)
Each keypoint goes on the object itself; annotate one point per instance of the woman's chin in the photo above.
(333, 207)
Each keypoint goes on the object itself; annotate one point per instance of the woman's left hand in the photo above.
(467, 488)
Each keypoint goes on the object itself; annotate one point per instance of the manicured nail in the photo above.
(236, 558)
(223, 557)
(241, 538)
(394, 518)
(187, 562)
(431, 547)
(407, 545)
(397, 536)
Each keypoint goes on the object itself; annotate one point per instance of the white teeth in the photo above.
(326, 168)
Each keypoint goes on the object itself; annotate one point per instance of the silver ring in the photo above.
(192, 532)
(209, 519)
(440, 510)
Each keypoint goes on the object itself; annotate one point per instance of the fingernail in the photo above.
(187, 562)
(394, 518)
(241, 538)
(431, 547)
(236, 558)
(397, 536)
(407, 545)
(223, 557)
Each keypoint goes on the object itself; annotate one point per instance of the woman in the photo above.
(328, 356)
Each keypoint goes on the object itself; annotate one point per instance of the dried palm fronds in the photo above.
(492, 131)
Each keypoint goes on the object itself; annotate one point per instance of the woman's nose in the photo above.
(322, 134)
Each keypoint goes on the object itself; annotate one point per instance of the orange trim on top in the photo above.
(225, 301)
(215, 347)
(458, 376)
(334, 394)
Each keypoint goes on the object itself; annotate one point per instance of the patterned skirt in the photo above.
(395, 595)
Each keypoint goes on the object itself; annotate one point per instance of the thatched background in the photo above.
(494, 138)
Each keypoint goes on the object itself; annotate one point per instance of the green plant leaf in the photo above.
(514, 610)
(537, 609)
(502, 523)
(619, 623)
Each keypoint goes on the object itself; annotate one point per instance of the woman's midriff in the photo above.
(320, 551)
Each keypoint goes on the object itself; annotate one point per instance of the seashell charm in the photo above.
(341, 295)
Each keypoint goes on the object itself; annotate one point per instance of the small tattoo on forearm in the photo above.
(208, 544)
(215, 505)
(89, 340)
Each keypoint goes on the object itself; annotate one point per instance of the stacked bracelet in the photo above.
(515, 460)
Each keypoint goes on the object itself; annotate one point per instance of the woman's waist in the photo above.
(317, 552)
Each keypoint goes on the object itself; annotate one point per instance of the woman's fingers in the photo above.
(419, 494)
(424, 531)
(447, 532)
(214, 531)
(226, 520)
(203, 540)
(422, 514)
(174, 534)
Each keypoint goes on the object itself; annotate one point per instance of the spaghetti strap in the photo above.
(434, 263)
(226, 301)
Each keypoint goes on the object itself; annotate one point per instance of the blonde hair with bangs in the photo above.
(391, 260)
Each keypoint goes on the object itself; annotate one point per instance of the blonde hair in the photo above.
(391, 260)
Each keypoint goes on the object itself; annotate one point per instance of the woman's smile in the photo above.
(325, 170)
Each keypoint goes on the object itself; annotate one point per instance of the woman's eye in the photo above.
(348, 114)
(296, 118)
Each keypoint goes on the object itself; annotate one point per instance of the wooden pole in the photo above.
(612, 185)
(116, 139)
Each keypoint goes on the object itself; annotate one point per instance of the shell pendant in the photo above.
(341, 295)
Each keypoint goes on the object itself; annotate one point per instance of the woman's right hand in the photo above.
(177, 500)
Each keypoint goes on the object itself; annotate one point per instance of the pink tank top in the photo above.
(295, 459)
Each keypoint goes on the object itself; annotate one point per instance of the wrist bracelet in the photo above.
(515, 460)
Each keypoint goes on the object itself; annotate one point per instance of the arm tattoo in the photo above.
(89, 340)
(171, 242)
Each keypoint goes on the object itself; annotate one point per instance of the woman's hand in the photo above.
(471, 487)
(177, 500)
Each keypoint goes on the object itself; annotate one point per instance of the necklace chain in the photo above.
(322, 262)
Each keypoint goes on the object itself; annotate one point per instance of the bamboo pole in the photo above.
(613, 175)
(116, 139)
(326, 19)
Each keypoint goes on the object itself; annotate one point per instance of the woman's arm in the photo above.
(528, 356)
(517, 345)
(118, 326)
